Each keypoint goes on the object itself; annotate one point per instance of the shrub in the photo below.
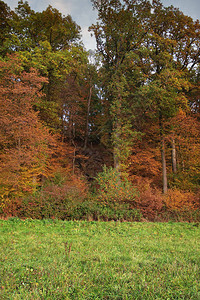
(49, 203)
(175, 215)
(92, 210)
(113, 190)
(10, 207)
(149, 200)
(56, 199)
(181, 200)
(114, 199)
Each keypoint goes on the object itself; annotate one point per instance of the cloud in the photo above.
(188, 7)
(89, 42)
(11, 3)
(82, 9)
(62, 5)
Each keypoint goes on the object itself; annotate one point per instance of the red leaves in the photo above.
(23, 139)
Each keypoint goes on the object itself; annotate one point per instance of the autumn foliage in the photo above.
(24, 141)
(180, 200)
(28, 151)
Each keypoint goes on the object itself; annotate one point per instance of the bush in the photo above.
(54, 201)
(10, 207)
(115, 198)
(181, 200)
(92, 210)
(149, 200)
(180, 216)
(113, 190)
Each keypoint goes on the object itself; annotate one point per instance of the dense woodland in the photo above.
(107, 134)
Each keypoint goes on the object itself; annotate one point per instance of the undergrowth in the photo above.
(113, 199)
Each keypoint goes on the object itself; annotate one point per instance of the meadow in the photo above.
(51, 259)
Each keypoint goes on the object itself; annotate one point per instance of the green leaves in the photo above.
(112, 190)
(31, 28)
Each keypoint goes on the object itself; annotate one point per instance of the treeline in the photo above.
(132, 105)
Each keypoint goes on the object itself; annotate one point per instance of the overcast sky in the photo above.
(82, 12)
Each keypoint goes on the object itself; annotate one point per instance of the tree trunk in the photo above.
(163, 158)
(87, 119)
(34, 182)
(164, 167)
(50, 86)
(174, 163)
(74, 159)
(116, 136)
(116, 154)
(181, 163)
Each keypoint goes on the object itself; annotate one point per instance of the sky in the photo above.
(84, 15)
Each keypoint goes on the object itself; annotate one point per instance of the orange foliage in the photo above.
(28, 151)
(23, 139)
(185, 130)
(55, 200)
(149, 200)
(143, 162)
(179, 200)
(145, 159)
(10, 208)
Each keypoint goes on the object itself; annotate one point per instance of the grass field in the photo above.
(97, 260)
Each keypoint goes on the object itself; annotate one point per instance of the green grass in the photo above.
(107, 260)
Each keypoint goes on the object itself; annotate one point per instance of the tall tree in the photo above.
(173, 43)
(121, 30)
(150, 54)
(30, 28)
(49, 42)
(24, 141)
(5, 27)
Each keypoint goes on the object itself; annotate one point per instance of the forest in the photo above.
(110, 134)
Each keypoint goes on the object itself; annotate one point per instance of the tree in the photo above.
(5, 15)
(150, 55)
(166, 96)
(24, 142)
(120, 32)
(173, 44)
(30, 28)
(48, 42)
(185, 132)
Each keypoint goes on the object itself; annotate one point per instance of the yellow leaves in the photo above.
(3, 202)
(179, 200)
(182, 113)
(45, 46)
